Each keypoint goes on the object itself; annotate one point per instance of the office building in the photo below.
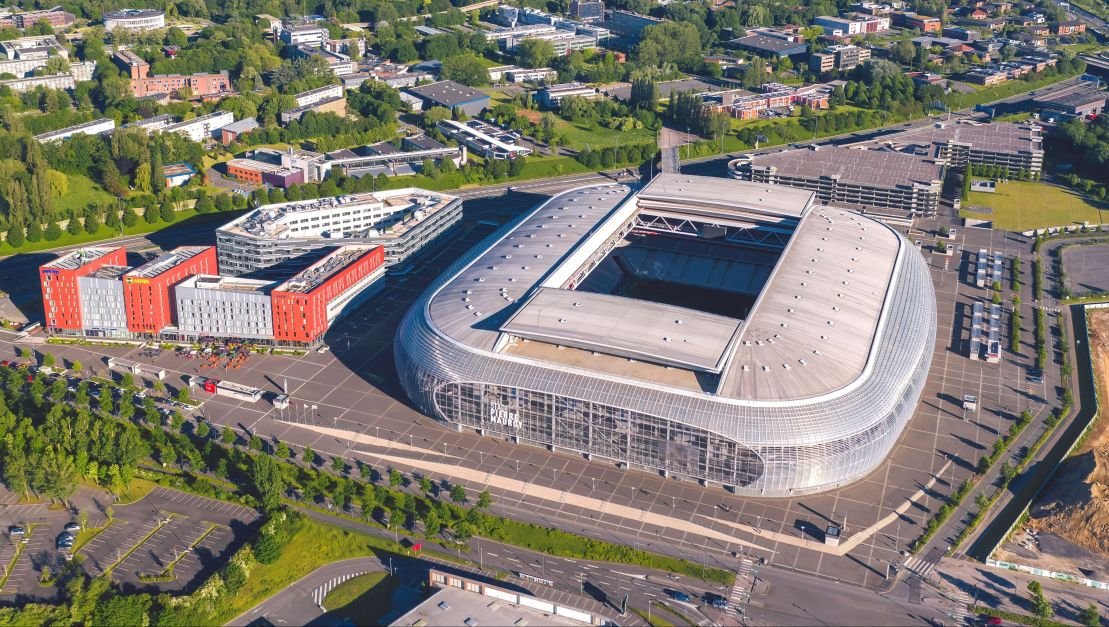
(134, 20)
(852, 25)
(135, 66)
(551, 96)
(61, 293)
(771, 43)
(839, 58)
(882, 182)
(479, 140)
(401, 220)
(628, 24)
(305, 34)
(56, 17)
(148, 289)
(798, 375)
(587, 10)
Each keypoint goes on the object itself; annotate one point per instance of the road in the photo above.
(790, 599)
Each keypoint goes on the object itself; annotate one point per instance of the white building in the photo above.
(311, 97)
(200, 129)
(551, 97)
(537, 75)
(95, 127)
(134, 19)
(306, 34)
(483, 144)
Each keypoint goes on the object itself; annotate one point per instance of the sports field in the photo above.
(1020, 206)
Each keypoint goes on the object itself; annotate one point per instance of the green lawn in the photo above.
(578, 136)
(1020, 206)
(363, 600)
(82, 192)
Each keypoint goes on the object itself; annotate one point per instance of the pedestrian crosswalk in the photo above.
(744, 581)
(961, 613)
(319, 594)
(919, 566)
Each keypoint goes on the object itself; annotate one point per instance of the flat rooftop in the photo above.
(1078, 98)
(448, 93)
(272, 221)
(167, 260)
(257, 166)
(1003, 137)
(625, 327)
(311, 278)
(109, 272)
(79, 258)
(453, 606)
(228, 284)
(878, 168)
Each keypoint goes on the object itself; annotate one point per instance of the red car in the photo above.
(993, 620)
(5, 363)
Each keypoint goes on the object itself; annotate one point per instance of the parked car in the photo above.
(16, 530)
(65, 541)
(72, 527)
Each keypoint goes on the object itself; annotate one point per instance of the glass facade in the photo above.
(791, 447)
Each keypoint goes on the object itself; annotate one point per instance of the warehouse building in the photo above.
(791, 364)
(448, 94)
(887, 183)
(401, 220)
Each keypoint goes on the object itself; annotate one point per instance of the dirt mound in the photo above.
(1081, 512)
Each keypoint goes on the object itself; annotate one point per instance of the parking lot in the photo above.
(1086, 269)
(194, 533)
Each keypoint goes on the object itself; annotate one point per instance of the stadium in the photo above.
(704, 328)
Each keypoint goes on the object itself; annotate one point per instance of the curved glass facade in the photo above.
(764, 448)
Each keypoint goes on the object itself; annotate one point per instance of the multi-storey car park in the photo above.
(727, 331)
(401, 220)
(1013, 146)
(893, 184)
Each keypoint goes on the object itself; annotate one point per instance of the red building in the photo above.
(201, 85)
(61, 298)
(305, 305)
(148, 288)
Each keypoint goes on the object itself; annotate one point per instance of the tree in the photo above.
(425, 485)
(534, 53)
(282, 451)
(49, 360)
(16, 236)
(1089, 616)
(268, 482)
(34, 231)
(395, 477)
(677, 43)
(755, 74)
(484, 500)
(309, 456)
(76, 366)
(203, 429)
(123, 609)
(150, 213)
(1041, 607)
(53, 231)
(166, 211)
(129, 217)
(644, 94)
(228, 436)
(458, 493)
(466, 69)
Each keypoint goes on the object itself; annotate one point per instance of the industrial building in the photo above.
(884, 182)
(1079, 104)
(134, 20)
(786, 357)
(447, 94)
(401, 220)
(767, 42)
(1010, 145)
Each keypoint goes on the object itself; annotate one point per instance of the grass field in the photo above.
(82, 192)
(363, 600)
(578, 136)
(1020, 206)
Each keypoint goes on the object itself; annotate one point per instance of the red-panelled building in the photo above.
(305, 305)
(61, 298)
(148, 289)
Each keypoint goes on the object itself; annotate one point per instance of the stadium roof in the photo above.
(810, 332)
(615, 325)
